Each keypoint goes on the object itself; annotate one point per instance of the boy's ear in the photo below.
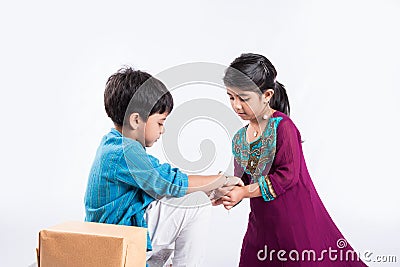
(134, 121)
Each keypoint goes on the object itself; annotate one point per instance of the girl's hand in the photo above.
(230, 182)
(216, 194)
(216, 202)
(234, 197)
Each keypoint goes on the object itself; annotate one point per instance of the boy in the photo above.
(130, 187)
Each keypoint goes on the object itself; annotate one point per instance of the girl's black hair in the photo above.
(253, 72)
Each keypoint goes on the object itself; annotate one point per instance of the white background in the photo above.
(338, 59)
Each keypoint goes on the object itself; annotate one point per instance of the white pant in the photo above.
(177, 225)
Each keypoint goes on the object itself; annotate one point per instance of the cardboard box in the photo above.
(85, 244)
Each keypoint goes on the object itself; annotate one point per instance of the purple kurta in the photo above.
(296, 220)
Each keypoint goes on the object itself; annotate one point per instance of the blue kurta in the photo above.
(124, 180)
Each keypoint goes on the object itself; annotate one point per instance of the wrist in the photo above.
(245, 191)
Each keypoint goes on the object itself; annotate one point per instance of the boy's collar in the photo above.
(115, 131)
(119, 134)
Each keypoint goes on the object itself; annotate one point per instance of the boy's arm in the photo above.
(145, 172)
(160, 180)
(204, 183)
(207, 183)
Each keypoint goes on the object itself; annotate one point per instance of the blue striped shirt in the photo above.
(124, 180)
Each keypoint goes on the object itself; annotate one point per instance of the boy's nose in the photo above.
(162, 130)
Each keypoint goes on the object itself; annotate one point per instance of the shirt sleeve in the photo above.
(285, 171)
(157, 180)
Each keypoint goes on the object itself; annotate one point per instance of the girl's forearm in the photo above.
(252, 190)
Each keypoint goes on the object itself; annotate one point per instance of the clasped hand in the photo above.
(230, 194)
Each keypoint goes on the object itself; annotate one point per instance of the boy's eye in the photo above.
(244, 100)
(161, 124)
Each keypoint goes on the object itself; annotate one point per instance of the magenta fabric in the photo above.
(296, 219)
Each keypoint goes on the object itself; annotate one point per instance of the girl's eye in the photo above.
(231, 98)
(161, 124)
(244, 100)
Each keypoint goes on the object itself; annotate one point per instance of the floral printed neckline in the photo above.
(265, 151)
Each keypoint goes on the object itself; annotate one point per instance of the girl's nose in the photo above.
(237, 104)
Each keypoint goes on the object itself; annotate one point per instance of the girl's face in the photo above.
(248, 105)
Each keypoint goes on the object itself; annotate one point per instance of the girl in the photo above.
(288, 224)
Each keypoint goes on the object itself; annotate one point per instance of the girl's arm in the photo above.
(285, 174)
(252, 190)
(287, 161)
(238, 193)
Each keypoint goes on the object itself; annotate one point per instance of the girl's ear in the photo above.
(268, 94)
(134, 121)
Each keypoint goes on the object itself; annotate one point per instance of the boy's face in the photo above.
(154, 128)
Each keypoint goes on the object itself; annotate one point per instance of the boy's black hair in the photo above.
(128, 91)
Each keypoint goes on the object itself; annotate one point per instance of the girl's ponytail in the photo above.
(280, 100)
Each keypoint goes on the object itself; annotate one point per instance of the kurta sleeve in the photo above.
(157, 180)
(285, 170)
(238, 171)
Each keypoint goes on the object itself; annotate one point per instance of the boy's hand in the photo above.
(233, 180)
(230, 183)
(233, 197)
(219, 192)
